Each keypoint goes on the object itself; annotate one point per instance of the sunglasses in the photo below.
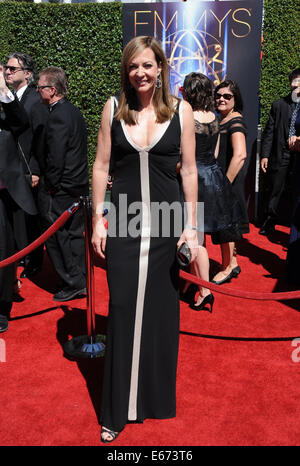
(13, 69)
(225, 96)
(42, 87)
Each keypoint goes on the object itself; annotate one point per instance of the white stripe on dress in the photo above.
(143, 273)
(143, 261)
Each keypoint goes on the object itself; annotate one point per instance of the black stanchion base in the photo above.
(85, 347)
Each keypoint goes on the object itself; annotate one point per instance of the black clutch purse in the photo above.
(184, 255)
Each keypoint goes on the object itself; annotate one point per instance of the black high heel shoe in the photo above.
(233, 274)
(225, 280)
(208, 300)
(236, 271)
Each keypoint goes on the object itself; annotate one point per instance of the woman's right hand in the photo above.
(99, 237)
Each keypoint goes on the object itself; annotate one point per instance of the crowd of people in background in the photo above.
(51, 152)
(43, 171)
(164, 149)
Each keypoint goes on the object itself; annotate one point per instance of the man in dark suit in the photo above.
(64, 178)
(20, 74)
(275, 154)
(15, 192)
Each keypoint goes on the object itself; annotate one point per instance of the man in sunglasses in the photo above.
(64, 178)
(20, 75)
(276, 157)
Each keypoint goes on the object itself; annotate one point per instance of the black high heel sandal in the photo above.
(113, 435)
(208, 300)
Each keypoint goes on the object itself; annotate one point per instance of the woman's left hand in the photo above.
(191, 238)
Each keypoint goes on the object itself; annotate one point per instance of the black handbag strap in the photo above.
(24, 158)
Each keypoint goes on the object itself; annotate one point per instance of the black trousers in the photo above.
(27, 229)
(66, 248)
(277, 181)
(34, 230)
(8, 209)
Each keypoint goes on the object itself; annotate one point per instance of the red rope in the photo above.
(286, 295)
(35, 244)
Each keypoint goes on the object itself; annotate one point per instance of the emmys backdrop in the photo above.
(220, 39)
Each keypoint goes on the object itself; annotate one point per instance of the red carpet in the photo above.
(237, 381)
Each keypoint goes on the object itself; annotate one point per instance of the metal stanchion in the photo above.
(90, 345)
(257, 173)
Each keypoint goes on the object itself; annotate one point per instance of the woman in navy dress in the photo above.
(149, 133)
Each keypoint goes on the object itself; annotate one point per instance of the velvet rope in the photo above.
(286, 295)
(35, 244)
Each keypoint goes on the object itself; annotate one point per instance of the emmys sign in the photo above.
(219, 39)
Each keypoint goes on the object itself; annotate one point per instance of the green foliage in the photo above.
(84, 39)
(280, 50)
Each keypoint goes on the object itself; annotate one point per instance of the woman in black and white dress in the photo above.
(149, 133)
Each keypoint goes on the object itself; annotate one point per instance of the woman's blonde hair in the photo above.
(163, 101)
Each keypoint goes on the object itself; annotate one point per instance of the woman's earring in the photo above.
(158, 82)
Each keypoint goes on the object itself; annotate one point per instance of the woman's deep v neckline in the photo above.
(156, 139)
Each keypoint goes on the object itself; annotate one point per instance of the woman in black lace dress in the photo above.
(232, 156)
(217, 204)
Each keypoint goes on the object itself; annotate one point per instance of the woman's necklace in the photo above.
(227, 116)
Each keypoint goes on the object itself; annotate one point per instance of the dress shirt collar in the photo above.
(21, 91)
(60, 101)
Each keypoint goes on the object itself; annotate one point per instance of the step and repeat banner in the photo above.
(219, 39)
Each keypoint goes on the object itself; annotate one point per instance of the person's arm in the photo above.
(39, 115)
(217, 148)
(57, 139)
(3, 88)
(16, 119)
(267, 140)
(238, 142)
(189, 176)
(99, 181)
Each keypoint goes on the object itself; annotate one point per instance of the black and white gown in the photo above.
(143, 323)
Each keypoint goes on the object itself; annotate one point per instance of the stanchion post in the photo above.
(90, 345)
(89, 261)
(257, 173)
